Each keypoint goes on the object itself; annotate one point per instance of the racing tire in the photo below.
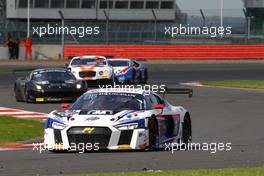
(112, 80)
(145, 80)
(153, 134)
(16, 94)
(186, 130)
(26, 96)
(134, 78)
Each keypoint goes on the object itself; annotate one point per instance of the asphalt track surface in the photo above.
(218, 115)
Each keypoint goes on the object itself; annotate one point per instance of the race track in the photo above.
(218, 115)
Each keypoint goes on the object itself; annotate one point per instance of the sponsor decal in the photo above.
(98, 112)
(104, 77)
(92, 118)
(88, 130)
(123, 71)
(39, 99)
(89, 68)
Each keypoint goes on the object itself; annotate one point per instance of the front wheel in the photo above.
(186, 130)
(26, 96)
(112, 80)
(145, 79)
(133, 79)
(16, 94)
(153, 133)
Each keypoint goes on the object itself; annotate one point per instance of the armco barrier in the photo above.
(192, 52)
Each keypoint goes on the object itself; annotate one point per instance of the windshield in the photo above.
(119, 63)
(100, 62)
(52, 75)
(115, 102)
(84, 61)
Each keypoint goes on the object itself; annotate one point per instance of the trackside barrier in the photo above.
(188, 52)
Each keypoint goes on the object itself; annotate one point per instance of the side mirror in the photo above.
(159, 106)
(65, 106)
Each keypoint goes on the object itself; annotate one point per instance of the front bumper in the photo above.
(96, 138)
(91, 76)
(54, 95)
(124, 78)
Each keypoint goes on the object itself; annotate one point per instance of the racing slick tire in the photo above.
(186, 130)
(153, 133)
(112, 80)
(16, 94)
(133, 80)
(26, 96)
(145, 79)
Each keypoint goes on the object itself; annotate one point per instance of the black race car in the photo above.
(49, 84)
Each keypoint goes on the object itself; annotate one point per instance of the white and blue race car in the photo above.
(118, 119)
(128, 71)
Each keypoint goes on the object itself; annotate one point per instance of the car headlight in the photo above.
(130, 126)
(69, 81)
(58, 126)
(42, 82)
(101, 73)
(38, 87)
(78, 86)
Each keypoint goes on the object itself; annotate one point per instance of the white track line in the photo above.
(194, 84)
(22, 146)
(21, 113)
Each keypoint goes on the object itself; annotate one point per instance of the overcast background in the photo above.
(209, 4)
(232, 7)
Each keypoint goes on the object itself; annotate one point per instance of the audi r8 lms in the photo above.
(128, 71)
(118, 119)
(93, 69)
(49, 84)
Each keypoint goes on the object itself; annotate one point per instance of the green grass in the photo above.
(198, 172)
(13, 130)
(250, 84)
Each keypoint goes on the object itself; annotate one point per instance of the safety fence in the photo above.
(199, 52)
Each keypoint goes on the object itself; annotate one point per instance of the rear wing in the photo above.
(181, 91)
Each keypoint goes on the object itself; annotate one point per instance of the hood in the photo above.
(56, 82)
(98, 118)
(90, 68)
(119, 70)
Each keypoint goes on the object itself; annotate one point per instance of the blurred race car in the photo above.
(49, 84)
(93, 69)
(128, 71)
(118, 119)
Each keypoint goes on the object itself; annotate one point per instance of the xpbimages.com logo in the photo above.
(134, 88)
(81, 31)
(184, 30)
(78, 147)
(213, 147)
